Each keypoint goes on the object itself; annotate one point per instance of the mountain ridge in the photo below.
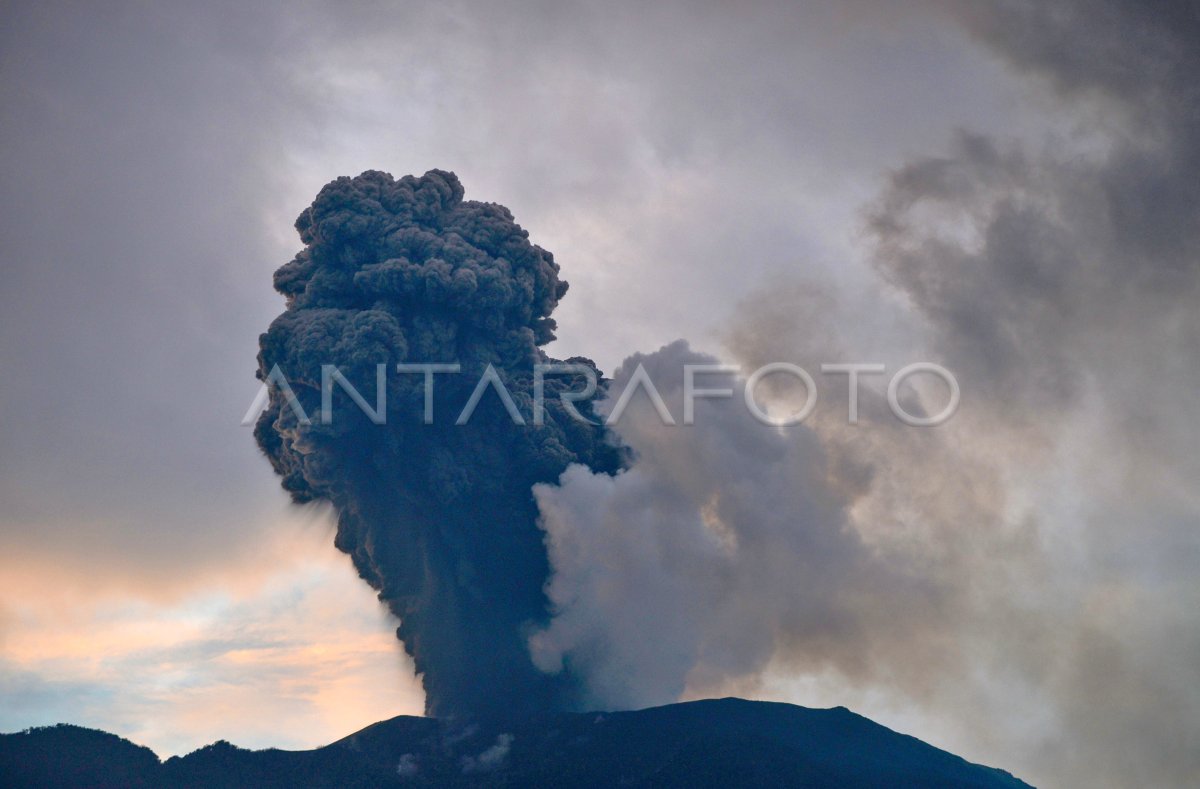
(711, 742)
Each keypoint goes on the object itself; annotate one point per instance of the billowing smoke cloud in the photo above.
(1027, 570)
(1063, 280)
(439, 518)
(724, 545)
(1029, 567)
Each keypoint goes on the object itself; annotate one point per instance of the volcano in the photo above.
(712, 743)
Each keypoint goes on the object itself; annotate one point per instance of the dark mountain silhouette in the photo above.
(717, 743)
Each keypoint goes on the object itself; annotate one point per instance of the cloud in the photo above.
(726, 544)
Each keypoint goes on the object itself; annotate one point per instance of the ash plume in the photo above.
(438, 518)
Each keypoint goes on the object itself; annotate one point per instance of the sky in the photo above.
(1006, 189)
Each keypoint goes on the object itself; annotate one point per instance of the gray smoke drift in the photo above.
(439, 518)
(1042, 546)
(726, 541)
